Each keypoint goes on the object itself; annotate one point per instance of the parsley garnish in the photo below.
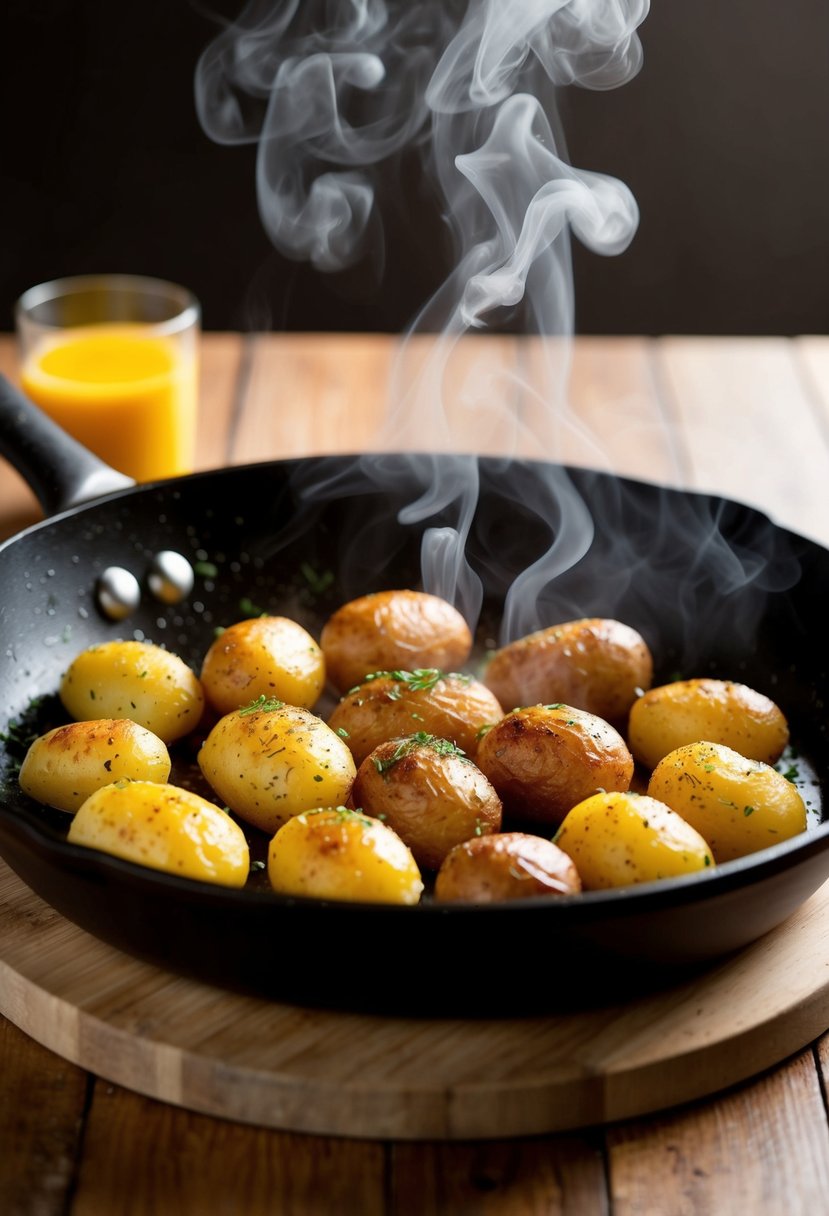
(422, 679)
(443, 747)
(262, 704)
(248, 607)
(317, 583)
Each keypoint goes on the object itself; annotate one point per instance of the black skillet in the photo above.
(714, 586)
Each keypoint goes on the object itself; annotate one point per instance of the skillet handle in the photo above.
(61, 471)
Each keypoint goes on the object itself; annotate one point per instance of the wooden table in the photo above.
(745, 417)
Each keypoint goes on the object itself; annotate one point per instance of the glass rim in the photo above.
(188, 315)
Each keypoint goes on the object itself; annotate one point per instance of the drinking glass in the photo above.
(113, 359)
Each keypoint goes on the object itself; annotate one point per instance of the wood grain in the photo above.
(343, 1073)
(560, 1176)
(41, 1124)
(221, 358)
(184, 1164)
(761, 1148)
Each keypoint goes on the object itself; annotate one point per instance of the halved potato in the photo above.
(336, 853)
(165, 828)
(270, 761)
(719, 711)
(739, 805)
(136, 680)
(266, 656)
(67, 764)
(618, 839)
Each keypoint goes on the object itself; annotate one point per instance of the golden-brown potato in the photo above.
(67, 764)
(428, 792)
(544, 759)
(336, 853)
(135, 680)
(165, 828)
(718, 711)
(507, 865)
(271, 761)
(617, 839)
(594, 664)
(739, 805)
(266, 656)
(389, 705)
(391, 630)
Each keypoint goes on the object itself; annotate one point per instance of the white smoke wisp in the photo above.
(334, 90)
(327, 91)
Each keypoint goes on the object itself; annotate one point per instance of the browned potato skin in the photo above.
(393, 630)
(270, 656)
(455, 708)
(434, 800)
(544, 759)
(596, 664)
(508, 865)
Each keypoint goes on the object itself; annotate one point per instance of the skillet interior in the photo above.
(714, 587)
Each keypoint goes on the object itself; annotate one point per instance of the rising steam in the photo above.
(332, 91)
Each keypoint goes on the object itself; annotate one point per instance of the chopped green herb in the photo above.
(248, 607)
(443, 747)
(344, 813)
(262, 704)
(205, 569)
(317, 582)
(421, 679)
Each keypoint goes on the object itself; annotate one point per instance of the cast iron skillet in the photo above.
(714, 586)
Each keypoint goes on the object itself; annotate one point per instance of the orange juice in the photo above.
(127, 394)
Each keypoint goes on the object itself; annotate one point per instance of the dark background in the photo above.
(722, 138)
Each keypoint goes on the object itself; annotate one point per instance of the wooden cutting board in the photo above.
(341, 1073)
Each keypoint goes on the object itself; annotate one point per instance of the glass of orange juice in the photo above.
(113, 359)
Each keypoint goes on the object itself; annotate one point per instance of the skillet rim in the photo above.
(729, 876)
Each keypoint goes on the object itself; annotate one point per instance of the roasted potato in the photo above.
(390, 704)
(739, 805)
(165, 828)
(135, 680)
(507, 865)
(617, 839)
(593, 664)
(270, 761)
(337, 853)
(266, 656)
(391, 630)
(67, 764)
(719, 711)
(427, 791)
(544, 759)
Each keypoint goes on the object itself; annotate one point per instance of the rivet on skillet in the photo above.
(117, 593)
(171, 577)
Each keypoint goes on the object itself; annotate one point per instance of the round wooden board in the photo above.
(342, 1073)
